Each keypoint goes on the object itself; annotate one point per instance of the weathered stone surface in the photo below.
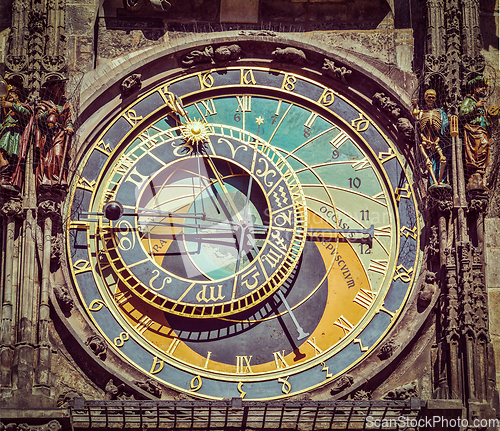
(374, 43)
(492, 231)
(238, 11)
(493, 267)
(112, 44)
(82, 21)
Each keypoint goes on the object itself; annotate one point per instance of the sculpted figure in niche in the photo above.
(477, 119)
(53, 136)
(16, 123)
(432, 123)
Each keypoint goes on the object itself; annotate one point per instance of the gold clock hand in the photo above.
(224, 189)
(155, 213)
(244, 228)
(184, 225)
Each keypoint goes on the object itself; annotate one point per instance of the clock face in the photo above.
(269, 235)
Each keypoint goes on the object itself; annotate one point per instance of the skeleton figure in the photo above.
(432, 124)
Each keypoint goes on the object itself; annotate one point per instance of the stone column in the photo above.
(11, 210)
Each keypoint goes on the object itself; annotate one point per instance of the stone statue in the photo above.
(477, 121)
(16, 123)
(432, 123)
(53, 136)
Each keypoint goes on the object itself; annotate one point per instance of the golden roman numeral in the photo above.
(173, 345)
(146, 138)
(361, 164)
(383, 231)
(209, 353)
(244, 103)
(339, 139)
(378, 265)
(209, 106)
(317, 350)
(125, 162)
(122, 297)
(144, 324)
(279, 360)
(309, 122)
(243, 364)
(344, 324)
(364, 298)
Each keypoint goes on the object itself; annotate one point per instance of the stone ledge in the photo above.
(32, 415)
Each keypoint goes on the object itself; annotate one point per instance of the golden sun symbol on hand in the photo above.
(195, 132)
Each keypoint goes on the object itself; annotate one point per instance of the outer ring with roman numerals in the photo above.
(350, 294)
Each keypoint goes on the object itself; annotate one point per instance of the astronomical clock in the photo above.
(242, 232)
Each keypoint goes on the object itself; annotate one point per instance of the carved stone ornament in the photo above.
(387, 350)
(336, 72)
(54, 63)
(257, 33)
(405, 127)
(478, 200)
(12, 207)
(16, 63)
(386, 104)
(49, 208)
(150, 386)
(114, 392)
(343, 382)
(36, 23)
(66, 397)
(473, 65)
(404, 392)
(131, 84)
(227, 52)
(134, 5)
(56, 249)
(434, 239)
(63, 297)
(53, 425)
(198, 56)
(362, 395)
(427, 290)
(163, 5)
(98, 346)
(290, 55)
(435, 64)
(211, 55)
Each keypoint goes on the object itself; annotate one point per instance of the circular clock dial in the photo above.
(214, 228)
(269, 236)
